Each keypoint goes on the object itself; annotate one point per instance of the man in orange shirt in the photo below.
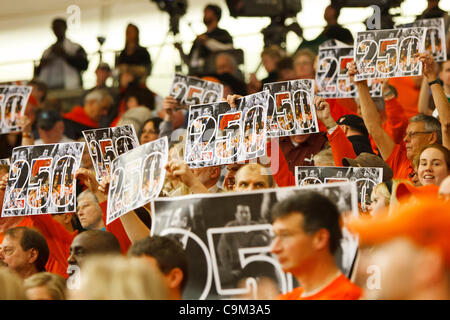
(307, 235)
(421, 131)
(405, 254)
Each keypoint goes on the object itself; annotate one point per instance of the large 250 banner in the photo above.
(41, 179)
(389, 53)
(219, 134)
(291, 108)
(227, 237)
(137, 178)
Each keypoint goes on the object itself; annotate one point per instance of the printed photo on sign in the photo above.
(41, 179)
(434, 38)
(332, 73)
(291, 108)
(13, 102)
(5, 162)
(137, 178)
(106, 144)
(365, 178)
(190, 91)
(218, 134)
(227, 237)
(389, 53)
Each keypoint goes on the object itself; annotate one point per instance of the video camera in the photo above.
(176, 9)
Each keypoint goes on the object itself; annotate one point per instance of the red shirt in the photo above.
(399, 162)
(340, 289)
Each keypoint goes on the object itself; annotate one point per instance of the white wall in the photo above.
(23, 37)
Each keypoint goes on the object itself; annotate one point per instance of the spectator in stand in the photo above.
(89, 212)
(307, 234)
(269, 59)
(120, 278)
(50, 126)
(62, 63)
(410, 248)
(356, 131)
(150, 130)
(45, 286)
(168, 255)
(226, 63)
(253, 176)
(304, 64)
(96, 104)
(422, 130)
(433, 164)
(285, 69)
(134, 54)
(24, 251)
(11, 285)
(201, 57)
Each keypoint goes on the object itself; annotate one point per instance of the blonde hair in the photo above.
(121, 278)
(11, 285)
(54, 283)
(389, 197)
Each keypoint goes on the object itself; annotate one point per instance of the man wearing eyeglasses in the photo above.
(421, 131)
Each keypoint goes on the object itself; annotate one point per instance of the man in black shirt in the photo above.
(201, 58)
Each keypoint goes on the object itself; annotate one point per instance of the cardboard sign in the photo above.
(218, 134)
(389, 53)
(41, 179)
(190, 91)
(137, 177)
(365, 178)
(13, 101)
(291, 109)
(332, 73)
(434, 38)
(106, 144)
(227, 237)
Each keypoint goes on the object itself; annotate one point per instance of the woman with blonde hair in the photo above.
(384, 196)
(45, 286)
(120, 278)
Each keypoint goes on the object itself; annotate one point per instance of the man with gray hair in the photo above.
(96, 105)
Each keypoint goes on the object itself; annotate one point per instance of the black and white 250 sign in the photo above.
(389, 53)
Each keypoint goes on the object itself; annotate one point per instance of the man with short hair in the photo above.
(307, 234)
(25, 251)
(96, 105)
(209, 177)
(169, 256)
(253, 176)
(50, 126)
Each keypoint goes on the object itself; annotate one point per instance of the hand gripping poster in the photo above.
(137, 178)
(389, 53)
(365, 178)
(41, 179)
(13, 102)
(190, 91)
(332, 78)
(106, 144)
(291, 109)
(218, 134)
(434, 37)
(227, 238)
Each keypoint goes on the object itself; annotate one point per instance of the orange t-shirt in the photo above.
(340, 289)
(399, 162)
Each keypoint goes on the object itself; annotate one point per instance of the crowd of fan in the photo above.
(404, 232)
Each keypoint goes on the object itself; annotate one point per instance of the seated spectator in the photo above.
(410, 249)
(226, 63)
(11, 284)
(433, 164)
(24, 251)
(89, 243)
(62, 63)
(150, 130)
(89, 212)
(304, 64)
(307, 234)
(168, 255)
(120, 278)
(50, 126)
(96, 105)
(103, 73)
(45, 286)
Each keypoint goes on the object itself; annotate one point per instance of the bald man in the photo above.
(253, 176)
